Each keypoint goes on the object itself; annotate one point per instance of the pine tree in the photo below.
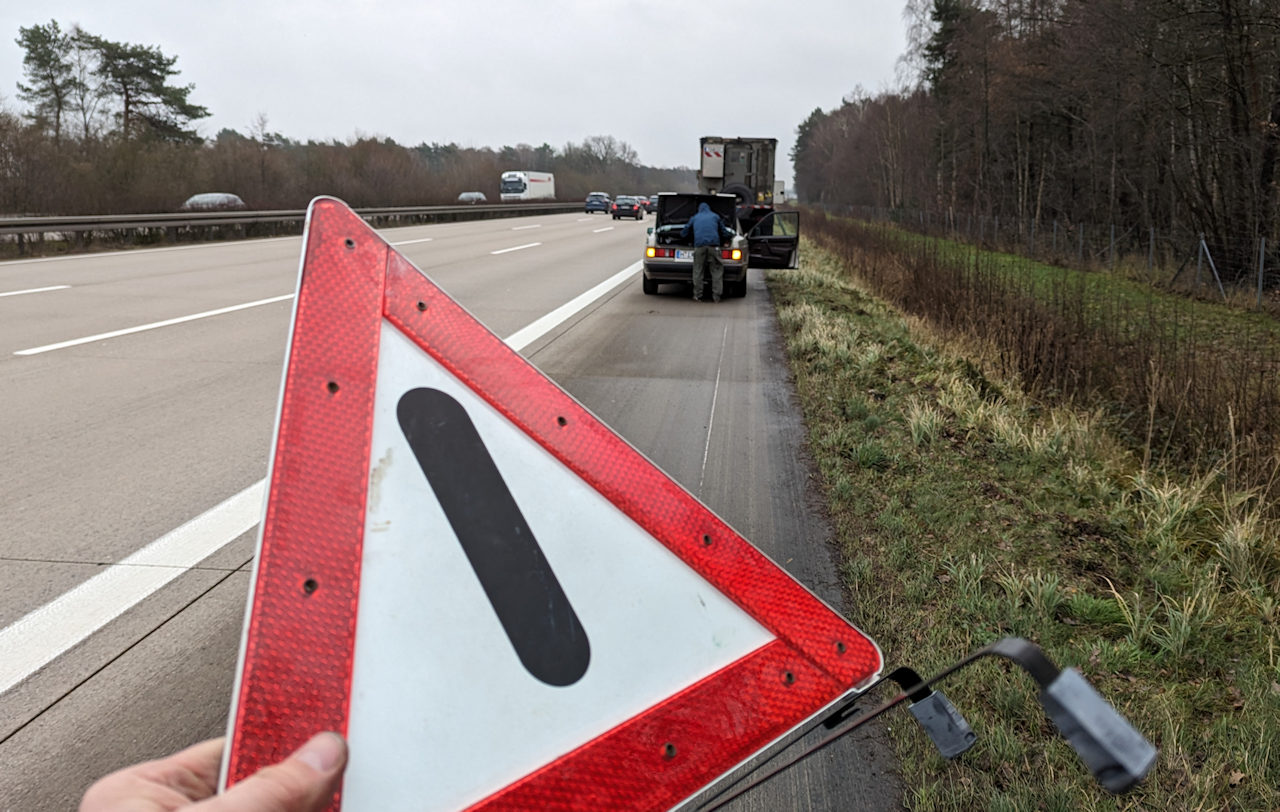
(137, 76)
(48, 70)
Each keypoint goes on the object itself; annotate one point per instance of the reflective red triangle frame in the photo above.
(296, 658)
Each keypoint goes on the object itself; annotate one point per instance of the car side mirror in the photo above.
(649, 229)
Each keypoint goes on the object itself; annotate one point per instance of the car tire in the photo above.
(649, 286)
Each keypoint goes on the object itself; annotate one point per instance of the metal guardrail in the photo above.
(25, 227)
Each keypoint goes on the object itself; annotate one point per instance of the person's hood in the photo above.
(703, 207)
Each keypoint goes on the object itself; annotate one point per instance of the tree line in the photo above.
(1143, 114)
(107, 130)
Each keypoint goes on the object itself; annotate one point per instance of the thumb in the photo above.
(304, 782)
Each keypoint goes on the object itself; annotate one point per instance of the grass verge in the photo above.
(966, 511)
(1193, 384)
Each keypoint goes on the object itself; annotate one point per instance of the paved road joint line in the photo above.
(46, 633)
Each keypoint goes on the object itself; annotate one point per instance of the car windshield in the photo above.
(516, 185)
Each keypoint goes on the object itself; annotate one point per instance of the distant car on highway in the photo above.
(626, 206)
(651, 204)
(472, 197)
(597, 201)
(213, 201)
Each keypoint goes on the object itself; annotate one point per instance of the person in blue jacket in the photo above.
(708, 232)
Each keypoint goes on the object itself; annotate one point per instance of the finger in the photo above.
(164, 784)
(194, 771)
(303, 782)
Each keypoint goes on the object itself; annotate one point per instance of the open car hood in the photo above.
(676, 209)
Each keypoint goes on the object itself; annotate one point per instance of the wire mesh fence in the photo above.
(1182, 260)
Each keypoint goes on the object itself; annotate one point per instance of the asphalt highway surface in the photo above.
(139, 390)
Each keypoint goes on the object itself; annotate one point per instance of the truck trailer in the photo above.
(743, 167)
(519, 185)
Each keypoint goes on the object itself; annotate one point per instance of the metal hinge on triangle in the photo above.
(1114, 751)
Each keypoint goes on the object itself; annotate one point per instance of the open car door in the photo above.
(774, 242)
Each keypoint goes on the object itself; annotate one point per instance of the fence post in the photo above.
(1112, 250)
(1214, 267)
(1200, 249)
(1151, 250)
(1262, 264)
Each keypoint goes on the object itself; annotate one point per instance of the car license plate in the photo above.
(684, 254)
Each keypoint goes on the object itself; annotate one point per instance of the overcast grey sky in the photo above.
(657, 74)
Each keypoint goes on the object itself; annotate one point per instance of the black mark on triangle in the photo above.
(515, 575)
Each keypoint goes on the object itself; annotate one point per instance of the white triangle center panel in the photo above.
(443, 710)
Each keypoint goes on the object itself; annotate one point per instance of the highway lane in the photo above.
(114, 443)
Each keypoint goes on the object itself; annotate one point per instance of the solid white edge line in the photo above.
(33, 290)
(516, 248)
(46, 633)
(154, 325)
(50, 631)
(527, 335)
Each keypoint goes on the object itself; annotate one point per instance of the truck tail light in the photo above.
(735, 254)
(651, 252)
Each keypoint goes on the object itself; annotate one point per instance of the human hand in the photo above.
(188, 780)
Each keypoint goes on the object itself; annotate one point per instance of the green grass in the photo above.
(1188, 383)
(1106, 292)
(966, 511)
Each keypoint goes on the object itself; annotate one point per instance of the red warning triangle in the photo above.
(361, 309)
